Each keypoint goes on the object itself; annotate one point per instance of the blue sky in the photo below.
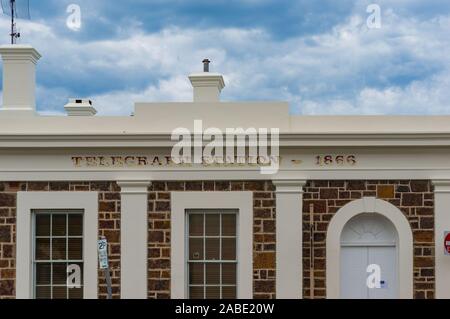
(319, 55)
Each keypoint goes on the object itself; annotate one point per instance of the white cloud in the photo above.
(121, 102)
(401, 68)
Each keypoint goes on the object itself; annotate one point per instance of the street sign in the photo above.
(103, 253)
(447, 243)
(102, 247)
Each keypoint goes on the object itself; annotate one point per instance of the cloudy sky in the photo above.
(319, 55)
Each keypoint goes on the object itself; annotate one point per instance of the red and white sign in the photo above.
(447, 243)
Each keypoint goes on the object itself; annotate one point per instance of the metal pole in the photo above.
(107, 273)
(12, 21)
(108, 283)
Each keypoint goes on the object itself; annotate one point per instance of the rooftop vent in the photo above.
(206, 63)
(80, 107)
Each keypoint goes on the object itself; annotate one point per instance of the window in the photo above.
(31, 204)
(239, 204)
(57, 251)
(212, 254)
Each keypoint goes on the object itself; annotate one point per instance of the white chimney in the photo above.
(207, 86)
(19, 79)
(80, 107)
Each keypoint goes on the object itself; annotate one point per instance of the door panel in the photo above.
(386, 258)
(353, 272)
(354, 263)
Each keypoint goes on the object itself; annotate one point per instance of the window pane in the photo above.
(212, 249)
(75, 248)
(58, 225)
(212, 292)
(43, 274)
(212, 274)
(75, 224)
(60, 292)
(59, 274)
(229, 249)
(42, 249)
(196, 249)
(196, 225)
(42, 225)
(212, 224)
(196, 293)
(229, 293)
(196, 274)
(75, 293)
(229, 225)
(43, 292)
(59, 249)
(229, 274)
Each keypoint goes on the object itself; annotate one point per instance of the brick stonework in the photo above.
(414, 198)
(108, 219)
(159, 207)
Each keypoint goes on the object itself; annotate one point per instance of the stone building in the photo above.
(356, 200)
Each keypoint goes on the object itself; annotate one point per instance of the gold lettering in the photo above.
(117, 161)
(156, 161)
(91, 161)
(217, 161)
(130, 161)
(102, 161)
(77, 161)
(142, 161)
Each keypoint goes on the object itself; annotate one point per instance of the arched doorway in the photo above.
(369, 253)
(404, 244)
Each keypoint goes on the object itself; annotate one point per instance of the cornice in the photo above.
(163, 140)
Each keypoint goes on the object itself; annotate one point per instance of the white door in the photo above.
(354, 263)
(368, 239)
(386, 258)
(353, 273)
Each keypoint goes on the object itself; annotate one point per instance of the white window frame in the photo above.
(182, 203)
(52, 213)
(205, 212)
(27, 204)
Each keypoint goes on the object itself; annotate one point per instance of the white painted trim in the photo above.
(225, 174)
(289, 239)
(405, 243)
(241, 201)
(441, 186)
(61, 140)
(289, 186)
(133, 239)
(442, 224)
(133, 187)
(29, 201)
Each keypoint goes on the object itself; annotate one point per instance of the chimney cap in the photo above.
(19, 51)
